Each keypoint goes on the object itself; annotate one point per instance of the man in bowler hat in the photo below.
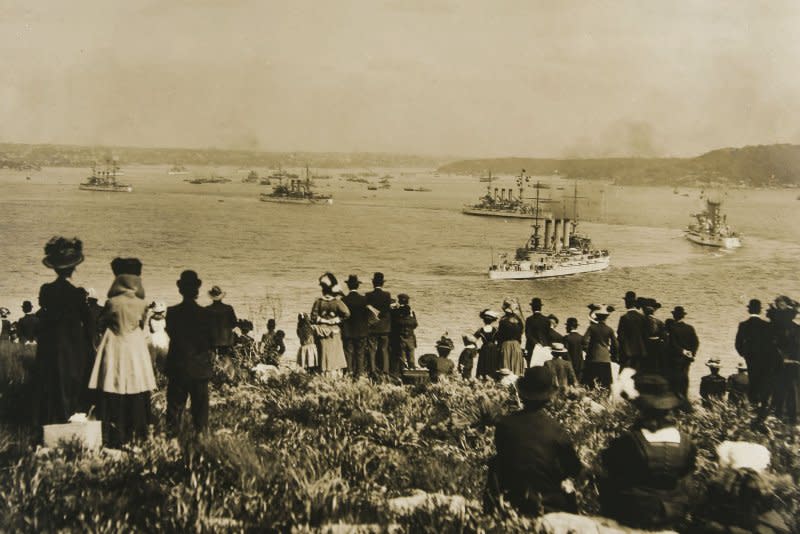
(379, 303)
(537, 329)
(355, 329)
(682, 349)
(753, 342)
(404, 340)
(631, 333)
(28, 324)
(188, 365)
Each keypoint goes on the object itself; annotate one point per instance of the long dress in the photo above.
(123, 371)
(63, 354)
(489, 353)
(326, 314)
(307, 356)
(509, 335)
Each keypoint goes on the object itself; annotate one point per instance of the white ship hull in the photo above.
(713, 241)
(107, 189)
(527, 271)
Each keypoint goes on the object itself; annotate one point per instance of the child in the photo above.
(468, 355)
(307, 353)
(157, 338)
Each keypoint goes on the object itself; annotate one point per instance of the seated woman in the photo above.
(646, 468)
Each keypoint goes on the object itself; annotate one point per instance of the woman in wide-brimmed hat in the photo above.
(123, 370)
(64, 352)
(509, 336)
(327, 314)
(647, 468)
(489, 354)
(600, 345)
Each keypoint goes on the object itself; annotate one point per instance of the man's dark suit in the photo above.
(537, 331)
(223, 321)
(355, 331)
(682, 337)
(753, 344)
(188, 365)
(378, 348)
(574, 343)
(631, 333)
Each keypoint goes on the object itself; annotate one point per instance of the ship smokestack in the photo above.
(547, 225)
(495, 193)
(565, 237)
(556, 236)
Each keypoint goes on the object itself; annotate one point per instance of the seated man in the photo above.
(439, 364)
(712, 386)
(534, 454)
(739, 384)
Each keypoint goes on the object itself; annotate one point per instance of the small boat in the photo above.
(711, 228)
(560, 251)
(372, 187)
(251, 178)
(105, 180)
(417, 189)
(177, 169)
(213, 179)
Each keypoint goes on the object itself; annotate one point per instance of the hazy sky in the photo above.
(482, 78)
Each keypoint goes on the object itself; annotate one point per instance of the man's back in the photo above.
(752, 337)
(537, 331)
(563, 371)
(356, 325)
(190, 341)
(223, 321)
(382, 301)
(683, 337)
(27, 328)
(631, 333)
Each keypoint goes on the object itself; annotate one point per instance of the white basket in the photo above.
(89, 433)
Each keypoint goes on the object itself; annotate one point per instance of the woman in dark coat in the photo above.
(64, 355)
(786, 347)
(600, 345)
(509, 336)
(648, 467)
(489, 354)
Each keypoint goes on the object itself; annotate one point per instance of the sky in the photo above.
(438, 77)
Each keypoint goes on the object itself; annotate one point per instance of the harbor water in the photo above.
(267, 257)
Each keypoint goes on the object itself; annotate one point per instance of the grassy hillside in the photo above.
(753, 165)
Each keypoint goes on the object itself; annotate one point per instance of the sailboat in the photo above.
(558, 251)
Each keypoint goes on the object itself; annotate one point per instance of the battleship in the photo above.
(501, 202)
(105, 180)
(559, 251)
(711, 228)
(295, 191)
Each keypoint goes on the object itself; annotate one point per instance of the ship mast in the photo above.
(534, 241)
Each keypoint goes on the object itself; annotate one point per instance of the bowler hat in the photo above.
(537, 384)
(216, 293)
(572, 322)
(678, 312)
(630, 296)
(377, 279)
(654, 393)
(189, 279)
(27, 306)
(754, 306)
(536, 303)
(402, 298)
(352, 281)
(62, 253)
(126, 266)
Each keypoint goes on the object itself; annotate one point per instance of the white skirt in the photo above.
(123, 364)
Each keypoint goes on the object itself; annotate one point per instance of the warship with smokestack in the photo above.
(711, 228)
(501, 201)
(559, 250)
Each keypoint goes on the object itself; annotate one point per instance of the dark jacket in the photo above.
(681, 336)
(64, 354)
(631, 333)
(713, 387)
(537, 330)
(753, 343)
(28, 328)
(563, 371)
(509, 328)
(223, 321)
(437, 365)
(645, 483)
(382, 301)
(356, 326)
(466, 361)
(600, 343)
(738, 387)
(190, 341)
(534, 456)
(574, 344)
(404, 322)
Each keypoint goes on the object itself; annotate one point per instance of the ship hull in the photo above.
(712, 241)
(497, 213)
(568, 269)
(115, 189)
(307, 201)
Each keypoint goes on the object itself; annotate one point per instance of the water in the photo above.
(267, 257)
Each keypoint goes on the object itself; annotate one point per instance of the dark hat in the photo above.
(536, 303)
(377, 279)
(678, 312)
(126, 266)
(245, 325)
(329, 281)
(402, 298)
(216, 293)
(445, 343)
(61, 253)
(754, 306)
(572, 322)
(630, 296)
(654, 393)
(189, 279)
(27, 306)
(537, 384)
(352, 281)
